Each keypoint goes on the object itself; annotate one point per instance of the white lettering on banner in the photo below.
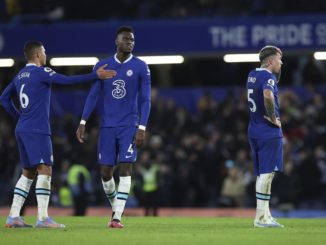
(289, 34)
(2, 42)
(321, 33)
(229, 36)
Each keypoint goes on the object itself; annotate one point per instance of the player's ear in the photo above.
(37, 54)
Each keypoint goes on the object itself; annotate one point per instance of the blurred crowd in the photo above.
(190, 159)
(56, 10)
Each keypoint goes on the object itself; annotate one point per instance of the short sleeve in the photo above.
(269, 83)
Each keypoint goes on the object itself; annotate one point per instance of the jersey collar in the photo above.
(118, 61)
(31, 64)
(263, 69)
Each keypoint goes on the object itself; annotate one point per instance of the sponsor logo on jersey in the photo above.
(119, 92)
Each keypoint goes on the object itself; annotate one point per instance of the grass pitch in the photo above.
(167, 231)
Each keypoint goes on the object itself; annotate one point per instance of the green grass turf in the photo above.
(167, 231)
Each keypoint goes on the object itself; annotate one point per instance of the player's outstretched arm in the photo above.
(100, 73)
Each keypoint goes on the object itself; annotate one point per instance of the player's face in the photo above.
(42, 56)
(276, 63)
(125, 42)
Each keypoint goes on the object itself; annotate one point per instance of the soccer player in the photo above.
(32, 85)
(126, 107)
(264, 130)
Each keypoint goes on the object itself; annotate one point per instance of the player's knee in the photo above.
(106, 173)
(29, 173)
(125, 169)
(44, 169)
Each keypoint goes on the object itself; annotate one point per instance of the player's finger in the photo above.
(103, 66)
(110, 73)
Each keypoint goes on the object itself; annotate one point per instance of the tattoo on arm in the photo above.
(270, 108)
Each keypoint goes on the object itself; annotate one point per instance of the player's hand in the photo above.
(81, 133)
(277, 123)
(105, 74)
(139, 138)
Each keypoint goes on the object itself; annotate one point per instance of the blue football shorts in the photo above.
(34, 149)
(116, 145)
(267, 155)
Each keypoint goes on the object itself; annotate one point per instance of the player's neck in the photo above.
(123, 56)
(266, 67)
(36, 62)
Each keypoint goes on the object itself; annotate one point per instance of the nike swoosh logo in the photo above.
(128, 156)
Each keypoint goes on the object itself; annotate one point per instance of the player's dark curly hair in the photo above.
(268, 51)
(30, 47)
(125, 29)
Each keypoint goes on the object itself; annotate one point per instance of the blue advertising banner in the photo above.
(189, 36)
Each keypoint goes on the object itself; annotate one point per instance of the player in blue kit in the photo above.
(264, 131)
(32, 85)
(126, 108)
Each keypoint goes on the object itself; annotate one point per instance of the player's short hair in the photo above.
(268, 51)
(124, 29)
(30, 47)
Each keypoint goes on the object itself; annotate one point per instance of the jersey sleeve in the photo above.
(91, 99)
(145, 94)
(269, 83)
(51, 77)
(7, 102)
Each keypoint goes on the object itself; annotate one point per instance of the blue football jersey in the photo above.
(32, 84)
(259, 128)
(125, 98)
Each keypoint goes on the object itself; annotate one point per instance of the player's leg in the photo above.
(109, 185)
(43, 192)
(107, 155)
(269, 191)
(270, 159)
(125, 170)
(127, 156)
(21, 189)
(263, 197)
(40, 155)
(20, 194)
